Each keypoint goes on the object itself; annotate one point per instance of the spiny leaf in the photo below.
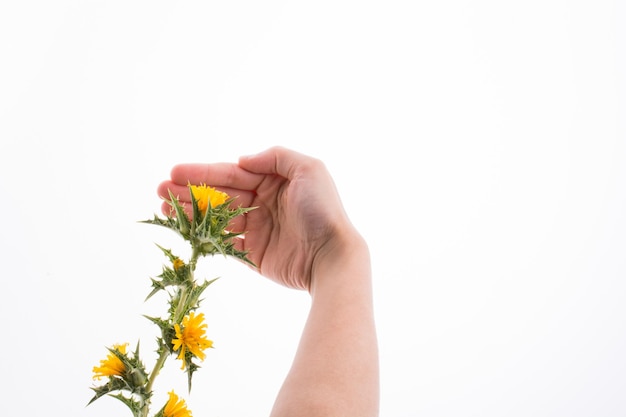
(193, 299)
(181, 217)
(168, 222)
(114, 384)
(164, 325)
(135, 406)
(169, 278)
(190, 369)
(167, 333)
(168, 253)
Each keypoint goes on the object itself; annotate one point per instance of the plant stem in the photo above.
(155, 371)
(176, 318)
(193, 261)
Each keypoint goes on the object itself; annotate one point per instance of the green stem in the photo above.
(181, 308)
(177, 318)
(155, 371)
(193, 261)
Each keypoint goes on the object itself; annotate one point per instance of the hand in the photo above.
(300, 236)
(299, 216)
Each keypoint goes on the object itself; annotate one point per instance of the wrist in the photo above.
(344, 261)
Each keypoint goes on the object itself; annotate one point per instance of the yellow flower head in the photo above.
(178, 263)
(112, 365)
(206, 195)
(191, 338)
(176, 407)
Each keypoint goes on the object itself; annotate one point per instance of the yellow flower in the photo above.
(112, 365)
(191, 337)
(206, 195)
(176, 407)
(178, 263)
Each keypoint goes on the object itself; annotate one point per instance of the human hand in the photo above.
(298, 219)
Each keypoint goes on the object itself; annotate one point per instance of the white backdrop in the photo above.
(480, 147)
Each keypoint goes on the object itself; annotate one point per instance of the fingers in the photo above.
(278, 161)
(216, 175)
(238, 183)
(245, 176)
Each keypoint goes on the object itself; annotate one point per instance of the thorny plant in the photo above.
(182, 329)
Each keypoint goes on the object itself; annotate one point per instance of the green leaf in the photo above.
(190, 368)
(113, 384)
(156, 287)
(184, 224)
(193, 299)
(167, 333)
(168, 222)
(134, 405)
(169, 278)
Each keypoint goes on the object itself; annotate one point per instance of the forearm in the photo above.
(335, 370)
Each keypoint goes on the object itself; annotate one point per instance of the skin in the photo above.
(301, 237)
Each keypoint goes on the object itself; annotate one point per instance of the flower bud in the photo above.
(207, 248)
(137, 377)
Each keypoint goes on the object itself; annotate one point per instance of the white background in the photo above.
(480, 147)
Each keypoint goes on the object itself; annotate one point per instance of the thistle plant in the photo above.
(182, 329)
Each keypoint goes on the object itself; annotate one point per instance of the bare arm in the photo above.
(335, 371)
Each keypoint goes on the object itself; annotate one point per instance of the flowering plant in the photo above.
(182, 329)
